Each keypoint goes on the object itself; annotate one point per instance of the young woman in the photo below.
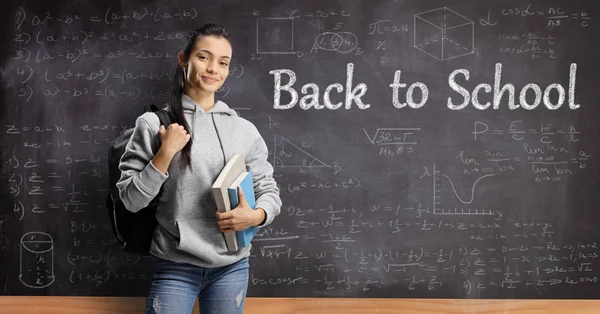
(183, 160)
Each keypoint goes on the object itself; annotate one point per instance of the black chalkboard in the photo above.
(412, 172)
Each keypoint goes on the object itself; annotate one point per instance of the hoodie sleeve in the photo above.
(265, 188)
(140, 180)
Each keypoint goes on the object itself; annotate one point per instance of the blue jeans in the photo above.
(175, 287)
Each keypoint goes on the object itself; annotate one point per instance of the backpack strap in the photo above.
(165, 117)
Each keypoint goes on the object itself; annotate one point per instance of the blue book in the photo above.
(232, 169)
(244, 181)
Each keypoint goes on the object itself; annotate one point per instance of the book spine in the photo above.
(230, 236)
(245, 236)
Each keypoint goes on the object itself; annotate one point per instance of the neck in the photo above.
(203, 99)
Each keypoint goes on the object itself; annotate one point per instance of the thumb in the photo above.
(241, 196)
(162, 130)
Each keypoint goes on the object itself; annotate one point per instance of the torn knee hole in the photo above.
(239, 298)
(156, 305)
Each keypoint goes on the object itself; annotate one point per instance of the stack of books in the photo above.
(225, 192)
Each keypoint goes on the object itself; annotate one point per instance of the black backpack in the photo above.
(132, 231)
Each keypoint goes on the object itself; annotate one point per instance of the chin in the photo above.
(211, 89)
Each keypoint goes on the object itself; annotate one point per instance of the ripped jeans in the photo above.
(175, 287)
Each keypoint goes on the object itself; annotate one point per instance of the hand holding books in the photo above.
(233, 214)
(241, 217)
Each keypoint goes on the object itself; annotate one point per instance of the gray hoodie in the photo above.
(188, 230)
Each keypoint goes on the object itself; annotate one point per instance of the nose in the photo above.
(210, 67)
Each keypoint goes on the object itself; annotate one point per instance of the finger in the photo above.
(224, 223)
(224, 215)
(223, 227)
(241, 195)
(227, 229)
(161, 130)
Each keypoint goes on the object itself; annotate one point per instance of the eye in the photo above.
(224, 63)
(202, 58)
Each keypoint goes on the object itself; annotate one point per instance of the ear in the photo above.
(181, 59)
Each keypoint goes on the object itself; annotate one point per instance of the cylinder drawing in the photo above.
(36, 260)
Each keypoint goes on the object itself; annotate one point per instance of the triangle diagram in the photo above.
(288, 155)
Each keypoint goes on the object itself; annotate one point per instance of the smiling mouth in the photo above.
(209, 79)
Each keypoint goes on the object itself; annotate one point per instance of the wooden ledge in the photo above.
(122, 305)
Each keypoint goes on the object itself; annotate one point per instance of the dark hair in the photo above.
(177, 89)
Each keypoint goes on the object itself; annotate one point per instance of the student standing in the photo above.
(183, 160)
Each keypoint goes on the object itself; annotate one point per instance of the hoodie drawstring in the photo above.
(219, 137)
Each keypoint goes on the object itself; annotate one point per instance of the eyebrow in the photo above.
(210, 53)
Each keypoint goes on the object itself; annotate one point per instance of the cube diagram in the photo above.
(275, 35)
(443, 34)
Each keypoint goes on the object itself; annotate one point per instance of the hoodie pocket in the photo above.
(201, 237)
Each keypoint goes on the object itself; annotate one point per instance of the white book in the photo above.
(228, 174)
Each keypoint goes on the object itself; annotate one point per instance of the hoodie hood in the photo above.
(189, 106)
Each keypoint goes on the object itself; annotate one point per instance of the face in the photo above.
(208, 64)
